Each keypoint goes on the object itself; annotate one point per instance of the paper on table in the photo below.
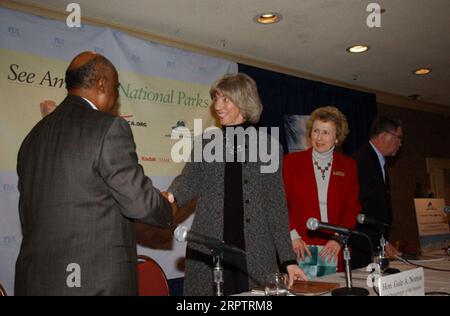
(306, 288)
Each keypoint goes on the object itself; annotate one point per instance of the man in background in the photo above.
(81, 188)
(386, 135)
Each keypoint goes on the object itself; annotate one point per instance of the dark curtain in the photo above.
(283, 94)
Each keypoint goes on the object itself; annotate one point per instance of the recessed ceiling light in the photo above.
(358, 49)
(267, 18)
(422, 71)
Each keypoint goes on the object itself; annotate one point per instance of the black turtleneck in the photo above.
(235, 265)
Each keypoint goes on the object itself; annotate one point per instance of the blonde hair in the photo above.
(242, 91)
(329, 114)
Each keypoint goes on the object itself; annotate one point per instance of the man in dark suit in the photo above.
(386, 136)
(81, 188)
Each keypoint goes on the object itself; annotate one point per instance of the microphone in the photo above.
(183, 234)
(313, 224)
(363, 219)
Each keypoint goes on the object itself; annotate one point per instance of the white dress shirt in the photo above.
(90, 103)
(381, 160)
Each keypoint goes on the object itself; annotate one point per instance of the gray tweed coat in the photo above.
(266, 227)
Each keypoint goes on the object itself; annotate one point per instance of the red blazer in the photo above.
(303, 198)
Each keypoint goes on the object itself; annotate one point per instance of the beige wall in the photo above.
(425, 135)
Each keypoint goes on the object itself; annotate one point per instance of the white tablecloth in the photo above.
(435, 281)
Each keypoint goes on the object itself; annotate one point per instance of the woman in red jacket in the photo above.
(321, 183)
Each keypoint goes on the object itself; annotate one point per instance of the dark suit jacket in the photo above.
(374, 196)
(303, 198)
(80, 188)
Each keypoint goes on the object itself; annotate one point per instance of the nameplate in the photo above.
(407, 283)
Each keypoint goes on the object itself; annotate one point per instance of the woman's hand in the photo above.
(330, 251)
(171, 199)
(295, 273)
(300, 247)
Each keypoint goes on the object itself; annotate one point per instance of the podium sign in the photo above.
(407, 283)
(432, 223)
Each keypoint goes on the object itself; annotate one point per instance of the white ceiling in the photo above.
(311, 37)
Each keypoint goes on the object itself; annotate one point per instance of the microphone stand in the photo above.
(218, 270)
(349, 290)
(382, 259)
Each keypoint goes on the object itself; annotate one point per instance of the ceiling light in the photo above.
(358, 49)
(267, 18)
(422, 71)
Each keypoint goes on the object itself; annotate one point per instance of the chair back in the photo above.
(152, 280)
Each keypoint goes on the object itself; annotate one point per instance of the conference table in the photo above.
(435, 282)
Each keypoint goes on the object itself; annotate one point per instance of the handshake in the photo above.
(171, 199)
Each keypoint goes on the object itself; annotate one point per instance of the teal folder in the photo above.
(315, 266)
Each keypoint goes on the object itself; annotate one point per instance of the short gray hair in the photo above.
(384, 123)
(242, 91)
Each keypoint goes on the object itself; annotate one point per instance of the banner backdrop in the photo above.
(432, 224)
(295, 131)
(161, 88)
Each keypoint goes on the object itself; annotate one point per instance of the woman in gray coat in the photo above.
(240, 201)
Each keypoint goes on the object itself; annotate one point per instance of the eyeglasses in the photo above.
(400, 138)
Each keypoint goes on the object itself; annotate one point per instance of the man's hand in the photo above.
(391, 251)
